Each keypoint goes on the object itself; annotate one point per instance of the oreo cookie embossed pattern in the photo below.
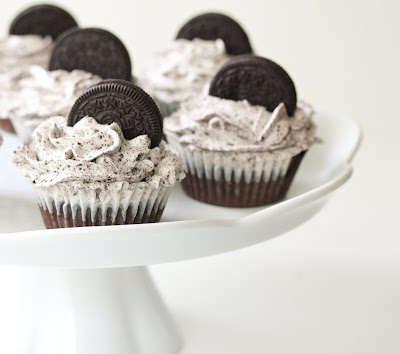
(121, 102)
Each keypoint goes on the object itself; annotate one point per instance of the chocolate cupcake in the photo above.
(187, 66)
(109, 168)
(80, 59)
(30, 41)
(243, 143)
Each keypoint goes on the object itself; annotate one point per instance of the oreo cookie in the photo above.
(211, 26)
(121, 102)
(258, 80)
(44, 20)
(94, 50)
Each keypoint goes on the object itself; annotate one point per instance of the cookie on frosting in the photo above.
(240, 144)
(121, 102)
(87, 173)
(187, 66)
(94, 50)
(80, 59)
(258, 80)
(212, 26)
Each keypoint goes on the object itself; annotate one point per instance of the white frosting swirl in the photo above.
(35, 94)
(91, 155)
(215, 124)
(17, 52)
(184, 68)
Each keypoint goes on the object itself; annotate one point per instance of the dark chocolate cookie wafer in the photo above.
(257, 80)
(94, 50)
(121, 102)
(211, 26)
(44, 20)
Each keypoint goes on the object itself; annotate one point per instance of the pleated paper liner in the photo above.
(53, 221)
(241, 194)
(141, 205)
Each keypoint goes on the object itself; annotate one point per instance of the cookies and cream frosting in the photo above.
(33, 94)
(19, 51)
(213, 124)
(185, 68)
(91, 155)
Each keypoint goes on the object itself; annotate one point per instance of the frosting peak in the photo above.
(212, 123)
(34, 93)
(185, 68)
(90, 154)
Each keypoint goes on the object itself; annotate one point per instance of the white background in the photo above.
(333, 285)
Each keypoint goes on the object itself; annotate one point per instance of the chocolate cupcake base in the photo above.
(53, 221)
(6, 125)
(241, 194)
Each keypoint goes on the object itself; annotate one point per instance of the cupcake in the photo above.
(105, 164)
(30, 42)
(243, 143)
(76, 64)
(189, 63)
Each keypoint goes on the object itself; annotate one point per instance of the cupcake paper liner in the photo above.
(6, 125)
(65, 206)
(236, 179)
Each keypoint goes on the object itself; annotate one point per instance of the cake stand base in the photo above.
(102, 311)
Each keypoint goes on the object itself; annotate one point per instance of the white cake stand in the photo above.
(87, 290)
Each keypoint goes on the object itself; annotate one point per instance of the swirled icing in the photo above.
(20, 51)
(215, 124)
(184, 68)
(35, 94)
(92, 155)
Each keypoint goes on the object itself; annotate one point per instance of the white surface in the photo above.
(193, 229)
(331, 286)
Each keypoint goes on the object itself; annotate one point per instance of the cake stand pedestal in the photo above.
(87, 290)
(100, 311)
